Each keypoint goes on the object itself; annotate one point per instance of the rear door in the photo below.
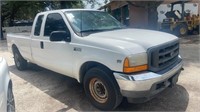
(36, 50)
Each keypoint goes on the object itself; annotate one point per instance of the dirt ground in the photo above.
(41, 90)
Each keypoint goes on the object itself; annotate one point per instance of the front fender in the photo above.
(112, 60)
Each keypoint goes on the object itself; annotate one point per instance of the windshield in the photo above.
(91, 21)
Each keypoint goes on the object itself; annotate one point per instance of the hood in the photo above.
(131, 38)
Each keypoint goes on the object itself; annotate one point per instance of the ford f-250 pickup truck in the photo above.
(112, 62)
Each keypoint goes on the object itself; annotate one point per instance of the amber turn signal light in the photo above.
(128, 69)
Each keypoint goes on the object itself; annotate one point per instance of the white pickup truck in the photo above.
(112, 62)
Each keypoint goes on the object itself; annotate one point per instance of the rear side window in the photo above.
(54, 22)
(38, 25)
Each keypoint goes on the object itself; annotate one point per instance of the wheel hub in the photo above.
(182, 31)
(98, 90)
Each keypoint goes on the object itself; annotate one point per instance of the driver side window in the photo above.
(54, 22)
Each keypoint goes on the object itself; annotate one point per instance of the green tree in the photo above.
(12, 10)
(18, 10)
(71, 4)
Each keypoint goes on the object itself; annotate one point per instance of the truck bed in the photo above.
(24, 34)
(23, 41)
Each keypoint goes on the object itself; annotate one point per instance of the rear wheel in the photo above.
(101, 89)
(20, 62)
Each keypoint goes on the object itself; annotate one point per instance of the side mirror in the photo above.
(60, 36)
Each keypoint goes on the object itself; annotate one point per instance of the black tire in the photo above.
(101, 89)
(10, 99)
(181, 30)
(20, 62)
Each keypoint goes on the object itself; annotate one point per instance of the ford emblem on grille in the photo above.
(172, 53)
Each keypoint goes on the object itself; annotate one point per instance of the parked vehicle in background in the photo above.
(110, 61)
(7, 103)
(23, 23)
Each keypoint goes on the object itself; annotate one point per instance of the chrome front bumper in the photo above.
(147, 84)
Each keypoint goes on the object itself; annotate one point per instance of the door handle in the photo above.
(42, 45)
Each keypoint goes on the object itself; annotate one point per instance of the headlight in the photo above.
(135, 63)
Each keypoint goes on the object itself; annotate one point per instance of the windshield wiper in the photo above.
(83, 32)
(99, 30)
(92, 30)
(115, 28)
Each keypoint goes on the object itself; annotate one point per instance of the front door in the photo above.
(56, 56)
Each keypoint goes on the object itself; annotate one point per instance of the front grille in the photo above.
(163, 56)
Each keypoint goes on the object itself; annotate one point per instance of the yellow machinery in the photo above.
(180, 24)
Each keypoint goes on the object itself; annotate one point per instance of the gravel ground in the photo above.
(41, 90)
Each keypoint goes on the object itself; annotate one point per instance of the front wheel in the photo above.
(101, 89)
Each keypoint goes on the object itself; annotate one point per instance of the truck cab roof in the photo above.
(65, 10)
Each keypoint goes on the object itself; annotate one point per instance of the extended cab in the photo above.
(110, 61)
